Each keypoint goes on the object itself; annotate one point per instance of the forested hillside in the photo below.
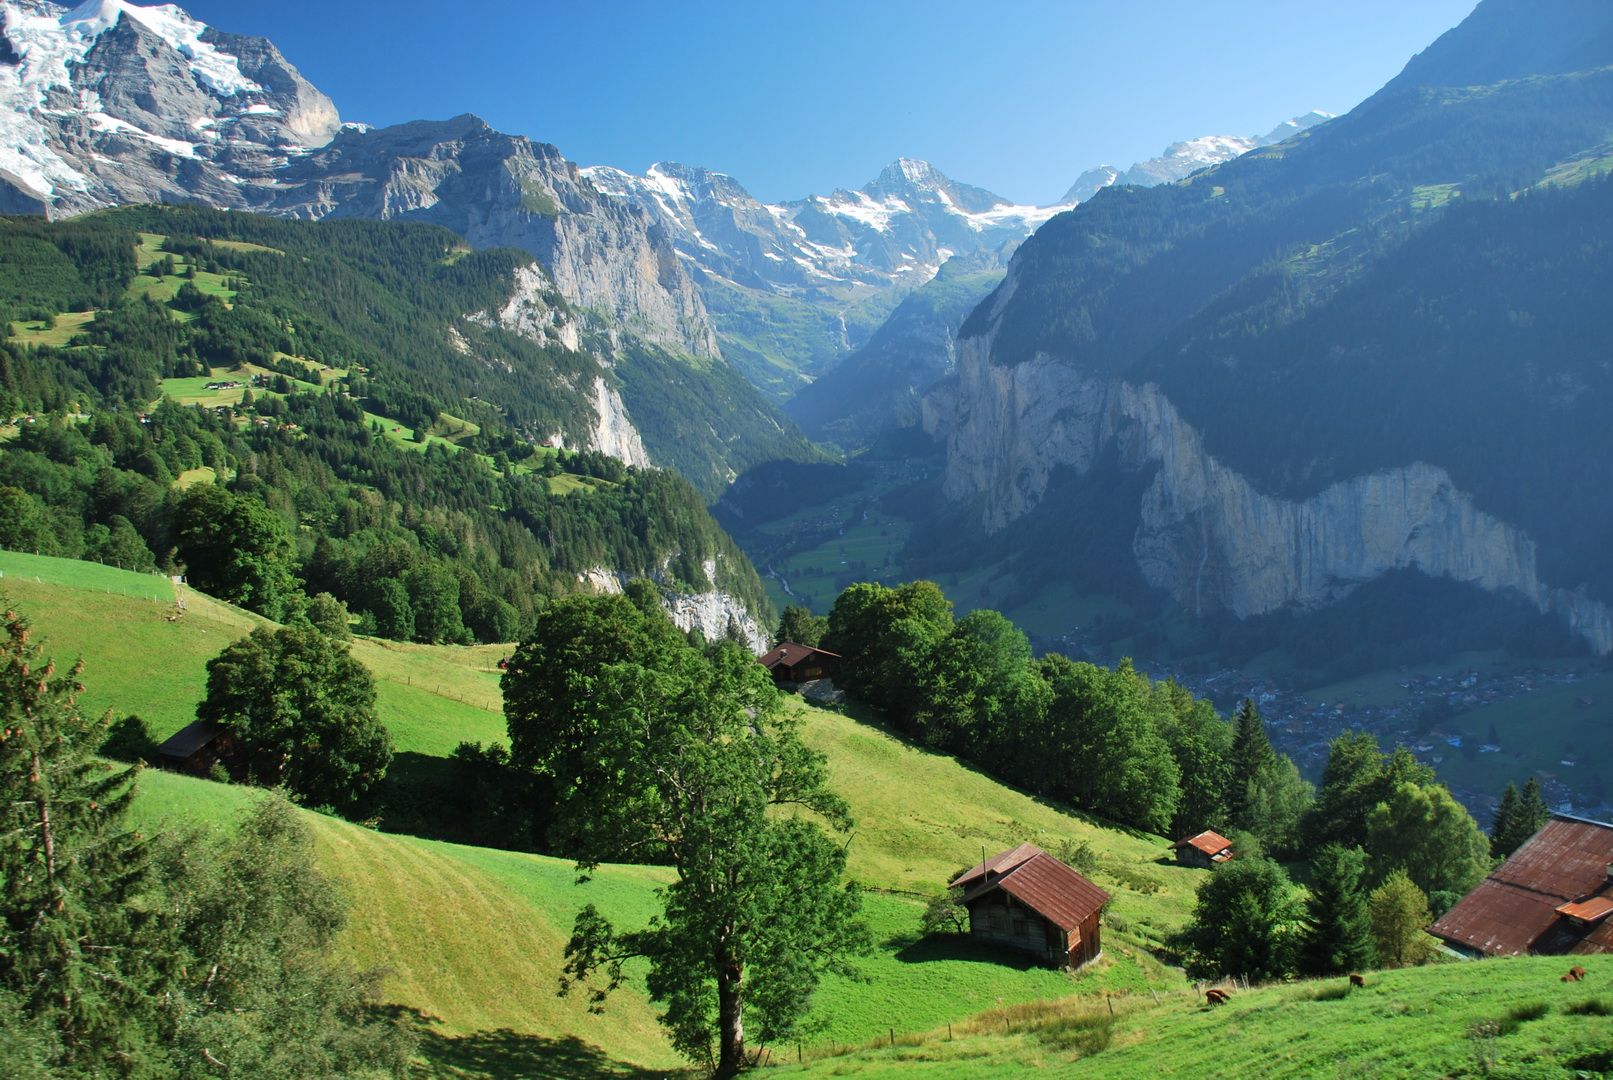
(1267, 389)
(281, 409)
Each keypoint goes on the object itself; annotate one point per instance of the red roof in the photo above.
(1516, 910)
(1597, 907)
(790, 654)
(1210, 842)
(1037, 880)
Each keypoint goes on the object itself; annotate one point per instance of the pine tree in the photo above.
(1252, 755)
(1504, 826)
(1533, 813)
(78, 957)
(1337, 934)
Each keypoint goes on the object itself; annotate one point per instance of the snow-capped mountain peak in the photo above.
(1182, 159)
(99, 102)
(898, 228)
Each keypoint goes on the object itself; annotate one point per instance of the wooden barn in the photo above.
(1206, 849)
(1552, 898)
(1028, 900)
(792, 664)
(197, 747)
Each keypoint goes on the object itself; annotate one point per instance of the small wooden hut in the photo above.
(1028, 900)
(1206, 849)
(197, 748)
(792, 664)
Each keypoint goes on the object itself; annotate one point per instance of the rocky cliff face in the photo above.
(500, 190)
(536, 311)
(1206, 534)
(110, 103)
(711, 612)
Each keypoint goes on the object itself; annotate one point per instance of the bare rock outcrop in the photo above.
(1205, 533)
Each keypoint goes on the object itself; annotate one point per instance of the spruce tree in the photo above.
(76, 956)
(1252, 755)
(1533, 813)
(1337, 934)
(1504, 826)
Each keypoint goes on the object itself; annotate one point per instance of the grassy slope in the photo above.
(474, 936)
(1450, 1020)
(430, 697)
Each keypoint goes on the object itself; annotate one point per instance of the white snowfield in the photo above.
(50, 40)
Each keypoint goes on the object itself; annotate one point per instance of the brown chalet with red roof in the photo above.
(1028, 900)
(1552, 898)
(1207, 849)
(793, 663)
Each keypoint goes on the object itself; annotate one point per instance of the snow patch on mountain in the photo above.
(80, 86)
(1183, 159)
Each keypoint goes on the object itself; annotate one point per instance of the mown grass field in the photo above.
(1503, 1018)
(140, 659)
(56, 333)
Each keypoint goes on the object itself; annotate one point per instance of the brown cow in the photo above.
(1575, 974)
(1217, 997)
(1357, 980)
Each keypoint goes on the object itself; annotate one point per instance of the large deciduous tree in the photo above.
(303, 712)
(800, 625)
(1113, 761)
(235, 548)
(1398, 912)
(665, 752)
(1201, 743)
(1422, 830)
(1245, 924)
(886, 637)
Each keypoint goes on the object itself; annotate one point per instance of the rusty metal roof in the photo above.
(1515, 910)
(999, 863)
(1209, 841)
(1597, 907)
(789, 654)
(1040, 882)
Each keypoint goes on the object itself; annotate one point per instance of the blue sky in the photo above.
(1018, 96)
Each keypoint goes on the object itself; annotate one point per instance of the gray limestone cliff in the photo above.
(1206, 534)
(711, 611)
(500, 190)
(536, 311)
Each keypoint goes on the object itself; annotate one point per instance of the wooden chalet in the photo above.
(1207, 849)
(1028, 900)
(197, 747)
(792, 664)
(1552, 898)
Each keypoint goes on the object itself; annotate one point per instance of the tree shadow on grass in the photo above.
(504, 1054)
(961, 947)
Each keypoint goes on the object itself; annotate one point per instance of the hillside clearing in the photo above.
(473, 937)
(1458, 1019)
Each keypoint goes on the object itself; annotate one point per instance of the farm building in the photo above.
(1553, 897)
(1028, 900)
(792, 663)
(1207, 849)
(197, 747)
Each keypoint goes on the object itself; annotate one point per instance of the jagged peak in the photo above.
(910, 172)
